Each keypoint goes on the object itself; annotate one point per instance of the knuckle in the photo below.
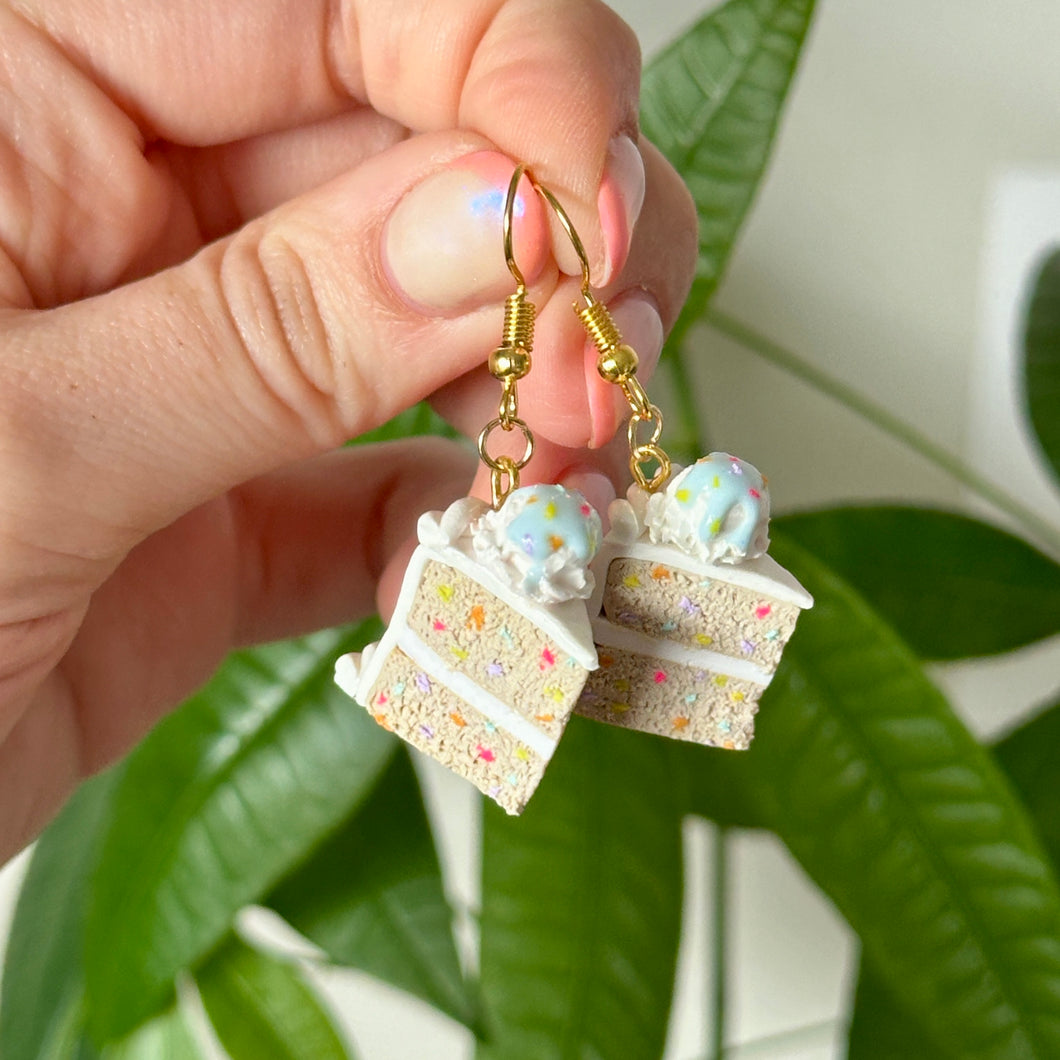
(289, 327)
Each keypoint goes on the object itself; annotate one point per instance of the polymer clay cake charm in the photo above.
(490, 645)
(691, 614)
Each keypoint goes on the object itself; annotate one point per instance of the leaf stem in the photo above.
(718, 954)
(890, 424)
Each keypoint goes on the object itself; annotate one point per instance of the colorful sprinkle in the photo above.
(423, 683)
(512, 778)
(660, 574)
(495, 669)
(544, 718)
(427, 731)
(716, 482)
(725, 726)
(506, 636)
(586, 510)
(606, 660)
(669, 627)
(721, 680)
(383, 720)
(495, 790)
(477, 618)
(439, 626)
(705, 583)
(445, 592)
(763, 611)
(523, 754)
(773, 634)
(547, 659)
(737, 697)
(687, 606)
(458, 720)
(621, 685)
(485, 753)
(700, 675)
(754, 493)
(528, 544)
(491, 726)
(550, 510)
(458, 652)
(691, 697)
(619, 708)
(715, 526)
(555, 692)
(729, 745)
(398, 689)
(555, 542)
(631, 581)
(747, 647)
(704, 639)
(381, 698)
(680, 723)
(683, 496)
(571, 661)
(660, 677)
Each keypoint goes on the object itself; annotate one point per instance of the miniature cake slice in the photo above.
(691, 614)
(490, 645)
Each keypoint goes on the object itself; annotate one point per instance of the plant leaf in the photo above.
(582, 904)
(221, 800)
(41, 1010)
(1028, 756)
(417, 420)
(905, 822)
(261, 1006)
(721, 785)
(880, 1030)
(953, 587)
(372, 897)
(1041, 365)
(166, 1037)
(711, 103)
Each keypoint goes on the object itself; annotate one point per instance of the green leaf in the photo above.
(41, 1013)
(1028, 755)
(721, 785)
(906, 823)
(582, 904)
(880, 1030)
(166, 1037)
(953, 587)
(711, 102)
(217, 804)
(1041, 343)
(372, 897)
(261, 1006)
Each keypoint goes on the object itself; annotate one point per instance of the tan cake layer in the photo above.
(479, 635)
(671, 699)
(668, 603)
(421, 710)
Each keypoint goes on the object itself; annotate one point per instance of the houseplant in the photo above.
(267, 788)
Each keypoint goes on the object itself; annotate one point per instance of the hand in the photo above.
(233, 236)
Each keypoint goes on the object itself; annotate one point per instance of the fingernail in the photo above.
(443, 247)
(637, 317)
(619, 202)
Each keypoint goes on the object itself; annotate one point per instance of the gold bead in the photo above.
(509, 362)
(618, 364)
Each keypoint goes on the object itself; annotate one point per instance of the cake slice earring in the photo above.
(690, 615)
(490, 645)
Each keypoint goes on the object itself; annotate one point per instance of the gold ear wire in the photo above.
(617, 363)
(509, 363)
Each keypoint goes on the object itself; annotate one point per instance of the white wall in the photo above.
(917, 174)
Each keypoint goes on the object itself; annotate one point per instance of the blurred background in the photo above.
(914, 186)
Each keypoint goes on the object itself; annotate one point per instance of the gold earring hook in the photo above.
(509, 362)
(617, 362)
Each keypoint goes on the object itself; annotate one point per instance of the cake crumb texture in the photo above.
(422, 711)
(667, 603)
(670, 699)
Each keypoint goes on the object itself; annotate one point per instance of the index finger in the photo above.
(551, 82)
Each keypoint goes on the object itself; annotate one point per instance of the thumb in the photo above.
(312, 324)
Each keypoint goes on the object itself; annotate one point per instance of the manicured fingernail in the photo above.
(619, 202)
(443, 246)
(638, 319)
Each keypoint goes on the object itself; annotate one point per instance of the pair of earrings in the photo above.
(514, 616)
